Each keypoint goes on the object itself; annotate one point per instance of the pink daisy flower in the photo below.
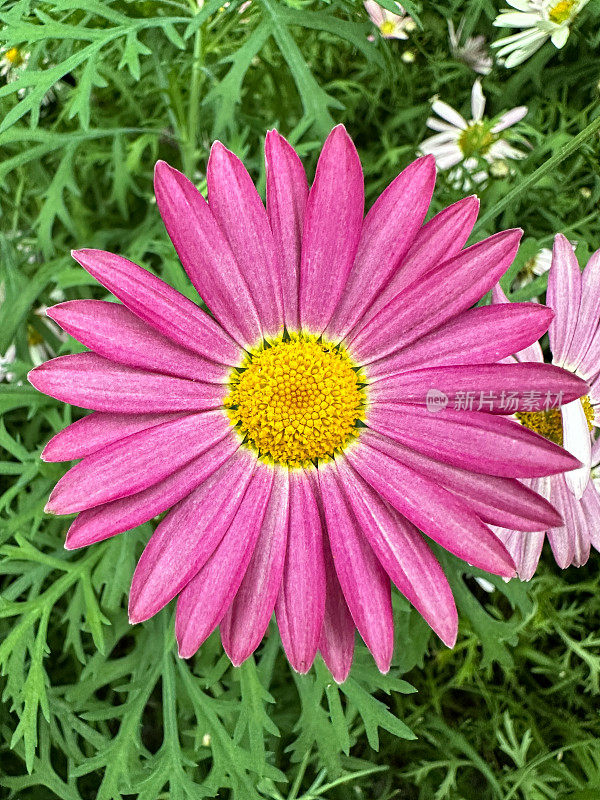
(288, 432)
(575, 344)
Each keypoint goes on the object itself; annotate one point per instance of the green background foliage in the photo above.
(94, 708)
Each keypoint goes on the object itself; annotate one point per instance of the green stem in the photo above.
(545, 168)
(194, 107)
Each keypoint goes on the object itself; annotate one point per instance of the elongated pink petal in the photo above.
(206, 255)
(112, 331)
(287, 193)
(590, 503)
(485, 334)
(158, 304)
(188, 536)
(588, 318)
(137, 462)
(564, 297)
(439, 240)
(388, 231)
(90, 381)
(364, 582)
(436, 297)
(471, 440)
(332, 227)
(570, 542)
(301, 602)
(525, 549)
(487, 384)
(505, 502)
(107, 520)
(337, 635)
(97, 430)
(403, 554)
(205, 599)
(247, 618)
(238, 209)
(442, 516)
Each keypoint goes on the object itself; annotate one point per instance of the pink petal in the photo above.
(141, 460)
(436, 298)
(332, 227)
(388, 231)
(364, 583)
(90, 381)
(92, 433)
(525, 549)
(497, 501)
(588, 318)
(112, 331)
(107, 520)
(188, 536)
(238, 209)
(337, 635)
(287, 193)
(403, 553)
(158, 304)
(486, 383)
(487, 333)
(206, 254)
(440, 239)
(471, 440)
(564, 297)
(248, 616)
(570, 543)
(442, 516)
(205, 599)
(301, 602)
(590, 503)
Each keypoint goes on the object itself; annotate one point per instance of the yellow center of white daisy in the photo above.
(388, 27)
(297, 400)
(562, 11)
(549, 423)
(13, 56)
(476, 139)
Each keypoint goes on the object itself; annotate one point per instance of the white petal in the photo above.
(559, 37)
(510, 118)
(446, 112)
(477, 101)
(516, 19)
(577, 440)
(439, 125)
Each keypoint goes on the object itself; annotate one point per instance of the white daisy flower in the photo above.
(472, 143)
(391, 26)
(473, 52)
(6, 361)
(540, 20)
(536, 266)
(13, 61)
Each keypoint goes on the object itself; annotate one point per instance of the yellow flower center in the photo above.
(13, 56)
(549, 423)
(296, 401)
(476, 139)
(33, 337)
(562, 11)
(388, 27)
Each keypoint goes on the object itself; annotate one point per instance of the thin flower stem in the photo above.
(194, 105)
(544, 169)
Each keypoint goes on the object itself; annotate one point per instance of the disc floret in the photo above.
(297, 400)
